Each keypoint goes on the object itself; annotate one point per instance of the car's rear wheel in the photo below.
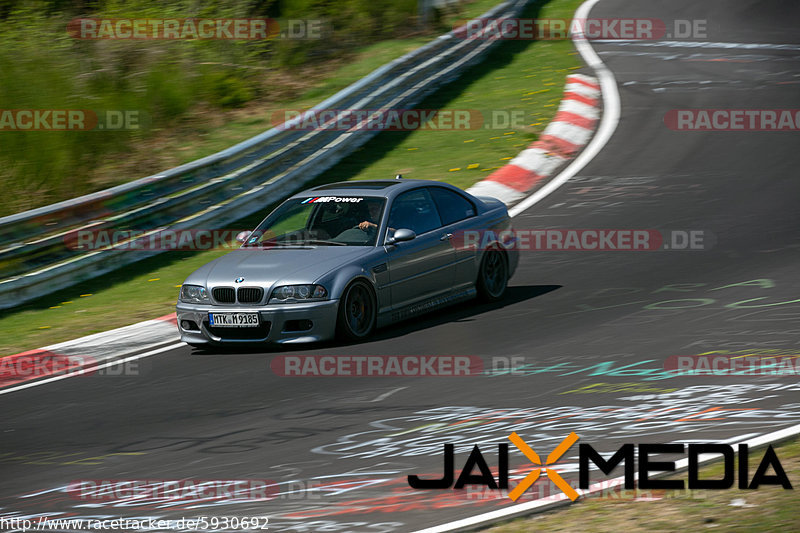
(492, 276)
(357, 311)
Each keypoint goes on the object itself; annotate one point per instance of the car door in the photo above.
(422, 268)
(459, 216)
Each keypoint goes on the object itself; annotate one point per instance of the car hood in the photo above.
(273, 265)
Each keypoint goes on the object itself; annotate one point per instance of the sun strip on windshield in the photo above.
(338, 199)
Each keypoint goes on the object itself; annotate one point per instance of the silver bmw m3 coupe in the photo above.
(345, 258)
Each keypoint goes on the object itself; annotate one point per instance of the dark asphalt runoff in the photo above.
(588, 333)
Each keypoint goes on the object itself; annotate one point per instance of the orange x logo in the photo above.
(554, 456)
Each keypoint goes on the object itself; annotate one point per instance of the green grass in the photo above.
(211, 137)
(769, 508)
(208, 137)
(521, 76)
(462, 157)
(518, 75)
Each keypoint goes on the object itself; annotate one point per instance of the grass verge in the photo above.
(519, 75)
(768, 508)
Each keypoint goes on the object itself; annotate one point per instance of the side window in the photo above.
(414, 210)
(452, 206)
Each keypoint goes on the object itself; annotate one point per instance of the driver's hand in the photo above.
(364, 226)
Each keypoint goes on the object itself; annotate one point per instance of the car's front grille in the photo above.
(224, 295)
(250, 295)
(239, 334)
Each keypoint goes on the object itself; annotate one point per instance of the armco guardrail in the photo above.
(223, 187)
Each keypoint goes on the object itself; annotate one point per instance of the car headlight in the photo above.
(298, 293)
(194, 294)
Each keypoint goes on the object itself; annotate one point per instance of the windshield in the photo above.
(321, 220)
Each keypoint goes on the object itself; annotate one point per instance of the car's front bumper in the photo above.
(283, 323)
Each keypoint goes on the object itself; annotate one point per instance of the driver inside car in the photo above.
(371, 224)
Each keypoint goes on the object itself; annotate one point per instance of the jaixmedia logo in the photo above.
(640, 462)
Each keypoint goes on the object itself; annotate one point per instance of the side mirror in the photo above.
(402, 235)
(243, 235)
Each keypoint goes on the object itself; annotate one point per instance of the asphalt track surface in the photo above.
(353, 441)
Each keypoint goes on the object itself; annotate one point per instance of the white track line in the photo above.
(387, 394)
(91, 369)
(608, 121)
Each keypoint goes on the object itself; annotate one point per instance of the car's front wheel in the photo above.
(492, 276)
(357, 312)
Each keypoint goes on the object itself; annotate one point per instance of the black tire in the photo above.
(492, 276)
(358, 312)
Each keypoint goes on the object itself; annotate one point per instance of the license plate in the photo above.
(233, 320)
